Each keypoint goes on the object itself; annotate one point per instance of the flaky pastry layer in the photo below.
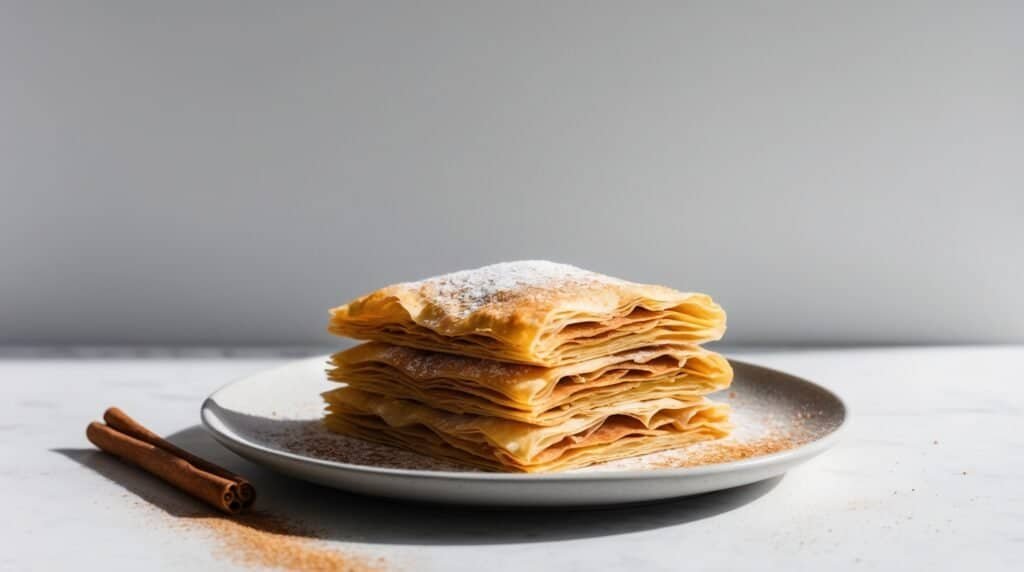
(503, 445)
(531, 312)
(530, 394)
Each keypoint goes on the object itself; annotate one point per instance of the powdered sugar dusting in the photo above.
(464, 292)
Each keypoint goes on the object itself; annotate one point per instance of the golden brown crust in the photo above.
(530, 394)
(531, 312)
(496, 444)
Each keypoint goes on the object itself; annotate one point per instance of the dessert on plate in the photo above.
(529, 366)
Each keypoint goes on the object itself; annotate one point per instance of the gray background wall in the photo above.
(192, 172)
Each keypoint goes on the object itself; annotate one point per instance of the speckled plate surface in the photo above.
(273, 418)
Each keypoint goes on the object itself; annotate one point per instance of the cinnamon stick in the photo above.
(215, 490)
(122, 422)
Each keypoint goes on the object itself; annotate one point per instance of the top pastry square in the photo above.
(533, 312)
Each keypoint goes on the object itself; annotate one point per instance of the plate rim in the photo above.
(804, 451)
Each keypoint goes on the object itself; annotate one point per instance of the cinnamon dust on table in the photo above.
(257, 539)
(268, 541)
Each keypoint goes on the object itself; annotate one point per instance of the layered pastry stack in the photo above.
(529, 366)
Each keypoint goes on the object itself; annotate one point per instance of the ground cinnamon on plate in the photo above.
(725, 452)
(722, 451)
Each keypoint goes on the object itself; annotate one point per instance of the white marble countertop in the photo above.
(929, 475)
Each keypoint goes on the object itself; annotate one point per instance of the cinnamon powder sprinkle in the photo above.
(725, 451)
(263, 540)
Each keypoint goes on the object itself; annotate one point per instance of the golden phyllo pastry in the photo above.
(530, 394)
(630, 428)
(531, 312)
(529, 366)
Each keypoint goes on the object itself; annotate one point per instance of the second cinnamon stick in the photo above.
(215, 490)
(120, 420)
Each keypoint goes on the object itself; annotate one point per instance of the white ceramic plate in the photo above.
(272, 419)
